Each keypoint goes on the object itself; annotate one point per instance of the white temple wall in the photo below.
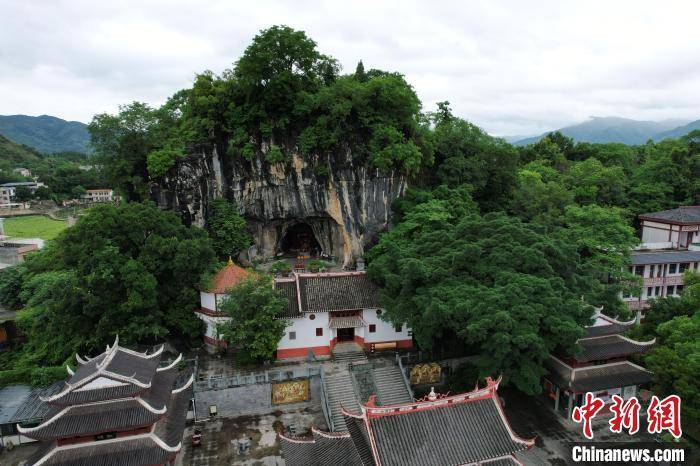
(305, 329)
(207, 300)
(385, 330)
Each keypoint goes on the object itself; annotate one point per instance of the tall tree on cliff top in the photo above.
(131, 269)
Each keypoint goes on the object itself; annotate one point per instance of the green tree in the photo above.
(227, 229)
(23, 194)
(131, 269)
(508, 293)
(675, 362)
(255, 328)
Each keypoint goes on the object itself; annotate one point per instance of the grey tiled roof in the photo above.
(337, 292)
(129, 452)
(594, 378)
(612, 329)
(324, 449)
(347, 322)
(667, 257)
(507, 461)
(94, 418)
(289, 290)
(358, 433)
(682, 214)
(458, 434)
(608, 347)
(100, 394)
(33, 408)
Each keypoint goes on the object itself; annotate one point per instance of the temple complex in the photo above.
(600, 367)
(470, 428)
(119, 408)
(324, 308)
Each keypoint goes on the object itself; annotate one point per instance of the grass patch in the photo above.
(34, 226)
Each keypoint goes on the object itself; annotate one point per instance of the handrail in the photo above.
(326, 408)
(403, 376)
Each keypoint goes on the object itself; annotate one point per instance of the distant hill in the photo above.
(45, 133)
(610, 129)
(678, 132)
(17, 154)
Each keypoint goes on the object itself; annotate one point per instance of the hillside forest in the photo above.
(496, 251)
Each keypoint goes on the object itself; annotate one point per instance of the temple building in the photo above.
(670, 246)
(600, 367)
(119, 408)
(324, 308)
(470, 428)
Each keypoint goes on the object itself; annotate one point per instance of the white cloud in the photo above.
(512, 68)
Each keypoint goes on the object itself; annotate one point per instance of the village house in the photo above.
(601, 367)
(670, 246)
(93, 196)
(9, 190)
(325, 309)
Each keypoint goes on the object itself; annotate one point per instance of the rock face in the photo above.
(345, 204)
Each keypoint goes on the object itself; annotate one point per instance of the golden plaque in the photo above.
(293, 391)
(425, 373)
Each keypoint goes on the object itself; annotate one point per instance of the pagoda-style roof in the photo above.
(116, 373)
(228, 277)
(606, 325)
(689, 214)
(610, 347)
(595, 378)
(156, 447)
(470, 428)
(119, 391)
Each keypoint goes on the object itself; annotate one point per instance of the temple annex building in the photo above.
(119, 408)
(601, 367)
(324, 308)
(470, 428)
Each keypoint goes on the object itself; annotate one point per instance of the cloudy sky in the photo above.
(509, 67)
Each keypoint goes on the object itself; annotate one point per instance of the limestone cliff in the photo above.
(345, 204)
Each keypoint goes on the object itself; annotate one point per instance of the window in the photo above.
(679, 289)
(683, 267)
(650, 292)
(671, 290)
(292, 335)
(372, 328)
(639, 270)
(672, 268)
(398, 328)
(657, 291)
(312, 316)
(319, 331)
(379, 312)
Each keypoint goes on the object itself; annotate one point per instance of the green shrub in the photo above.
(274, 155)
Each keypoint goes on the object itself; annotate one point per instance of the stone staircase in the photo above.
(348, 352)
(390, 385)
(340, 392)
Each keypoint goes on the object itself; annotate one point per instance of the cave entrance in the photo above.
(299, 240)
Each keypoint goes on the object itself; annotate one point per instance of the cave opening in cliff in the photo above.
(299, 240)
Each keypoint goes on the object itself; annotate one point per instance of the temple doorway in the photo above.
(346, 334)
(299, 240)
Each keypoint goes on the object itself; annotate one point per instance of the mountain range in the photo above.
(615, 129)
(45, 133)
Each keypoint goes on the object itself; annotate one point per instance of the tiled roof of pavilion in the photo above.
(229, 276)
(594, 378)
(609, 347)
(682, 214)
(159, 406)
(605, 325)
(116, 373)
(470, 428)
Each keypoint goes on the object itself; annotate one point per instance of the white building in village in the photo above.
(670, 246)
(324, 308)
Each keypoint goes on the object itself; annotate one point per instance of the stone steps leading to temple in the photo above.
(390, 385)
(340, 392)
(348, 352)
